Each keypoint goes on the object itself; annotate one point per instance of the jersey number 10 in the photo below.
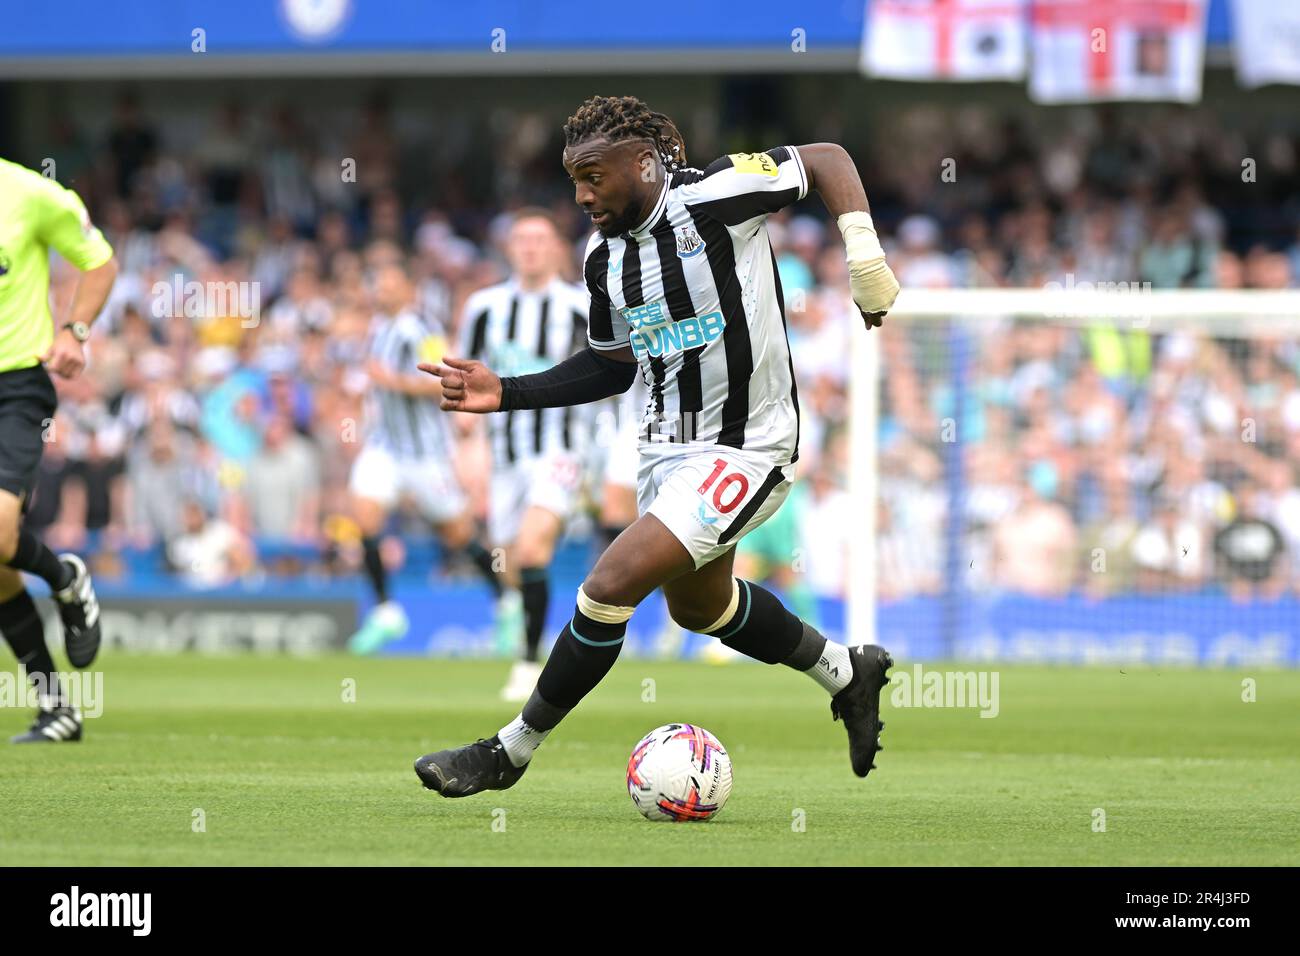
(735, 478)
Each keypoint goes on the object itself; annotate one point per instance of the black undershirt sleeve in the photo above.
(583, 377)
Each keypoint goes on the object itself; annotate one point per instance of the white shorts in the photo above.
(379, 475)
(623, 456)
(710, 499)
(553, 482)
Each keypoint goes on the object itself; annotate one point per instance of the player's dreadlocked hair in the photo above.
(626, 117)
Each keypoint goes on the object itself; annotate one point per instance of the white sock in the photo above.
(520, 740)
(834, 670)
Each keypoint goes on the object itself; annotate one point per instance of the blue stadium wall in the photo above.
(154, 613)
(162, 28)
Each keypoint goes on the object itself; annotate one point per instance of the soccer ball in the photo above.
(679, 772)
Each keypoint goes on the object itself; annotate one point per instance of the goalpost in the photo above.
(950, 342)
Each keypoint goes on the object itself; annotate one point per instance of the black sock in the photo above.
(536, 588)
(34, 557)
(579, 660)
(809, 649)
(21, 624)
(540, 715)
(375, 568)
(762, 628)
(486, 564)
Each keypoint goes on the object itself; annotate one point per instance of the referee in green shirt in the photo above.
(37, 214)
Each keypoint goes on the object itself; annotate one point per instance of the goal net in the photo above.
(1079, 476)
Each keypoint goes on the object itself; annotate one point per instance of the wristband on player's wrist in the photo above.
(861, 244)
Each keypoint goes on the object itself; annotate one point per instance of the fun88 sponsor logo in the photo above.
(655, 334)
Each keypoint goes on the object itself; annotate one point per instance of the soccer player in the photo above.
(37, 214)
(408, 450)
(683, 280)
(528, 324)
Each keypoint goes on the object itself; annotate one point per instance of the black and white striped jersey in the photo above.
(515, 332)
(694, 290)
(433, 302)
(408, 426)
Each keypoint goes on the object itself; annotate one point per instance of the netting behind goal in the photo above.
(1080, 477)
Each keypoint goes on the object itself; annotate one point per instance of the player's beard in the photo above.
(618, 223)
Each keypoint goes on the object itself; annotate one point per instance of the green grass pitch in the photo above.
(286, 772)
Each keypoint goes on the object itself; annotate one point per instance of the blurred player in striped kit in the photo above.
(528, 324)
(614, 466)
(409, 450)
(618, 457)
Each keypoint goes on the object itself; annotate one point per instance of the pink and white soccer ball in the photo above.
(679, 772)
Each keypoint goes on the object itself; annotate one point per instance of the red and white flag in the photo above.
(945, 39)
(1267, 45)
(1086, 50)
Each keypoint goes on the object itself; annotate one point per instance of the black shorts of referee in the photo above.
(27, 404)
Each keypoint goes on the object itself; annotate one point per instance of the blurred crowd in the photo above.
(1096, 461)
(222, 407)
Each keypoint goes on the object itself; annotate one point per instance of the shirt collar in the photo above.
(655, 213)
(517, 288)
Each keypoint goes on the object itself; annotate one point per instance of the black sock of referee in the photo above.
(375, 569)
(33, 556)
(486, 564)
(21, 625)
(580, 659)
(536, 589)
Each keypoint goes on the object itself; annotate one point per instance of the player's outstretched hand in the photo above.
(467, 386)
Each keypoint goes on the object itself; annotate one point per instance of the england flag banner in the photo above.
(945, 39)
(1088, 50)
(1267, 48)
